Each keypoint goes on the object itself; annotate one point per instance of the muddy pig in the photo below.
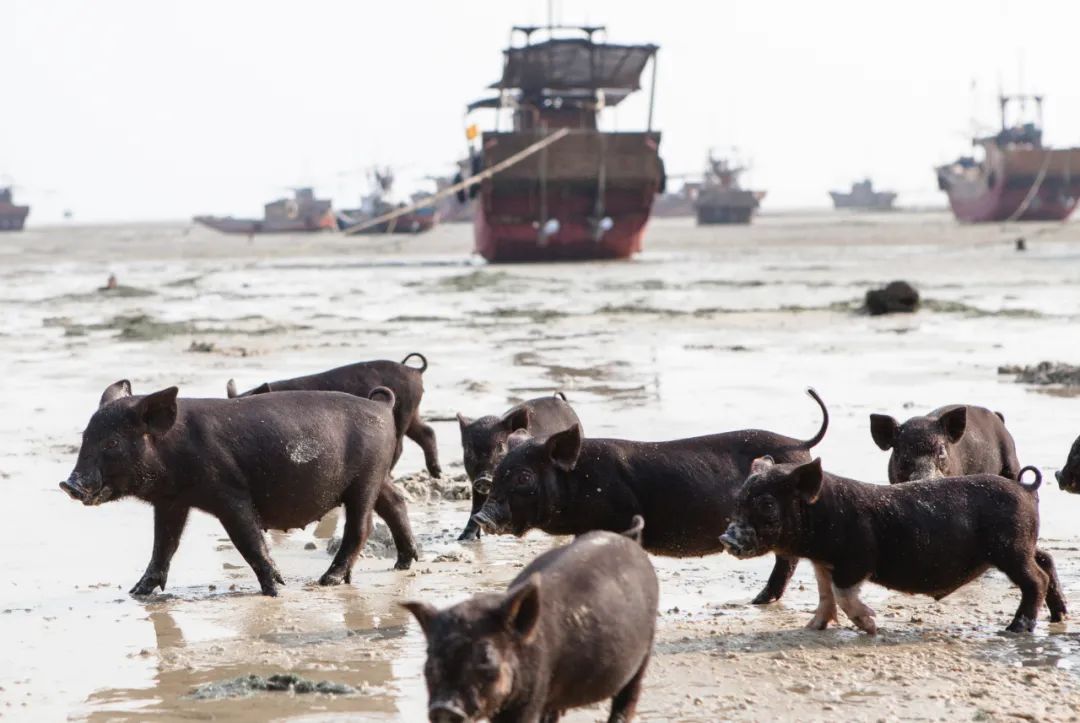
(574, 628)
(928, 537)
(359, 379)
(275, 461)
(485, 442)
(952, 441)
(1068, 477)
(685, 489)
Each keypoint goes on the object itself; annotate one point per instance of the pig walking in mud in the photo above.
(928, 537)
(574, 628)
(486, 440)
(952, 441)
(276, 461)
(685, 489)
(359, 379)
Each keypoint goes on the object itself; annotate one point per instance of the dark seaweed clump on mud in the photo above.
(897, 297)
(248, 685)
(1045, 373)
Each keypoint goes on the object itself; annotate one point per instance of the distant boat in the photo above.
(12, 217)
(721, 198)
(863, 197)
(1018, 178)
(677, 204)
(376, 204)
(301, 213)
(587, 195)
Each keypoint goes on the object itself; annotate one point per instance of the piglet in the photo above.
(486, 440)
(1068, 477)
(928, 537)
(359, 379)
(574, 628)
(952, 441)
(273, 461)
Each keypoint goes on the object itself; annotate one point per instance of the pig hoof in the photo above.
(332, 578)
(819, 622)
(469, 535)
(435, 471)
(765, 597)
(147, 585)
(278, 577)
(405, 562)
(1021, 625)
(1059, 616)
(270, 590)
(866, 624)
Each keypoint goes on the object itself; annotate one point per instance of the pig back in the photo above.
(295, 453)
(599, 598)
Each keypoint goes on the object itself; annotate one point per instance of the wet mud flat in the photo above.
(709, 330)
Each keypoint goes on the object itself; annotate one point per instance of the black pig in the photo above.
(685, 489)
(952, 441)
(574, 628)
(359, 379)
(1068, 477)
(275, 461)
(485, 441)
(928, 537)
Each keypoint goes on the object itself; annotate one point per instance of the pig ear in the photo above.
(807, 480)
(263, 388)
(517, 437)
(423, 613)
(515, 419)
(761, 464)
(116, 390)
(883, 430)
(158, 410)
(522, 608)
(954, 423)
(463, 421)
(564, 447)
(230, 389)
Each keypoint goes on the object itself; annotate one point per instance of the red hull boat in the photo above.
(587, 195)
(1018, 178)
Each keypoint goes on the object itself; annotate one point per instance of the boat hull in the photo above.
(587, 196)
(1011, 185)
(733, 206)
(416, 222)
(251, 226)
(13, 218)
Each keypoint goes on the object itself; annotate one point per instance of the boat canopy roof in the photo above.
(561, 66)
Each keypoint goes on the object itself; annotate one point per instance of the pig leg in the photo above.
(778, 580)
(419, 432)
(1055, 600)
(244, 530)
(357, 527)
(1032, 581)
(472, 530)
(169, 522)
(390, 506)
(625, 701)
(826, 609)
(856, 610)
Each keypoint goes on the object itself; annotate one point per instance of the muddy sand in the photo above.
(709, 330)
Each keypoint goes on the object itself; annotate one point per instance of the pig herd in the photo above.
(576, 626)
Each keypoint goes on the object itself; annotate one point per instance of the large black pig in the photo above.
(276, 461)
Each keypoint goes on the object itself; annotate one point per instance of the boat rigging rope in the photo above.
(470, 181)
(1023, 207)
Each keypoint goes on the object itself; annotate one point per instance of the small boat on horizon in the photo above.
(12, 217)
(1017, 178)
(300, 214)
(863, 197)
(721, 199)
(377, 203)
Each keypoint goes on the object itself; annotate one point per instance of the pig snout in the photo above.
(739, 541)
(88, 491)
(445, 712)
(493, 518)
(1067, 480)
(482, 484)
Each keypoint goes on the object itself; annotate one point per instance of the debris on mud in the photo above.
(1044, 373)
(248, 685)
(421, 487)
(380, 544)
(897, 297)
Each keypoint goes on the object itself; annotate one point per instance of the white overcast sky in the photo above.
(146, 109)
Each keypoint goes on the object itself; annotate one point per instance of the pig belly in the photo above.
(937, 582)
(300, 495)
